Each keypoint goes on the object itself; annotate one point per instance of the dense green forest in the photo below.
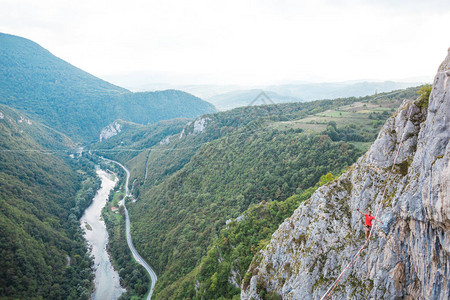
(220, 182)
(74, 102)
(42, 194)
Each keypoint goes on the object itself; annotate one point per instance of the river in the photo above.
(107, 284)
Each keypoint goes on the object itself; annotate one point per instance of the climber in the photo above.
(368, 222)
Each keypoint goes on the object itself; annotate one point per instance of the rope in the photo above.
(227, 135)
(358, 254)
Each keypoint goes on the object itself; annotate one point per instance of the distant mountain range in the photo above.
(226, 97)
(296, 92)
(75, 102)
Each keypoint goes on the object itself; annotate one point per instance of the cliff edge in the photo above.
(408, 255)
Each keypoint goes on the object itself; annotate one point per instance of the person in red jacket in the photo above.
(368, 222)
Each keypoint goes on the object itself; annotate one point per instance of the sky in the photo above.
(238, 41)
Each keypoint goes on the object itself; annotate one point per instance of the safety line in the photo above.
(228, 135)
(358, 254)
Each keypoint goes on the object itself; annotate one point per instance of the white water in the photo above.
(107, 285)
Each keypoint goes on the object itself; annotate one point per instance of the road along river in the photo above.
(136, 255)
(107, 284)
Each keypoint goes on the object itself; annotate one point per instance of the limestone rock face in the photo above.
(408, 256)
(109, 131)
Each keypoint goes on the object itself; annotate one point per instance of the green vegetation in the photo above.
(424, 95)
(162, 161)
(124, 147)
(44, 254)
(83, 199)
(235, 248)
(74, 102)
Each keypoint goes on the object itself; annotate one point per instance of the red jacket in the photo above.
(368, 219)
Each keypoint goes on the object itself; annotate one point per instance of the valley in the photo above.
(110, 194)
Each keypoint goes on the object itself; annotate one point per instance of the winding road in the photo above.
(136, 255)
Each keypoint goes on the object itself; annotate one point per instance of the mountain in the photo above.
(226, 97)
(408, 256)
(239, 98)
(301, 92)
(358, 118)
(74, 102)
(331, 90)
(124, 141)
(42, 193)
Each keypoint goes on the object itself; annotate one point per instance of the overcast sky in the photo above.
(238, 41)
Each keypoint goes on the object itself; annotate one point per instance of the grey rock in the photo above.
(109, 131)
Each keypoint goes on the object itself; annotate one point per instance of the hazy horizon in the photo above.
(141, 81)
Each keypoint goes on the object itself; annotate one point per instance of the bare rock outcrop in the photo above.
(111, 130)
(408, 256)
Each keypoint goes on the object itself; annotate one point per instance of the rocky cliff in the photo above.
(408, 256)
(111, 130)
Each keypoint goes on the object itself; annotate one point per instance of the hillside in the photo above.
(221, 180)
(408, 255)
(123, 141)
(74, 102)
(42, 193)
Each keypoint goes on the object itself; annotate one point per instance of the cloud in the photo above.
(238, 41)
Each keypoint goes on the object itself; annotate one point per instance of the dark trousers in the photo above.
(368, 228)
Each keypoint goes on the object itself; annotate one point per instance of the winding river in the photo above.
(107, 284)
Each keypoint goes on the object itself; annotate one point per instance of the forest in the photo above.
(42, 195)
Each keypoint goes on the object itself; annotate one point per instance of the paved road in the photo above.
(136, 255)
